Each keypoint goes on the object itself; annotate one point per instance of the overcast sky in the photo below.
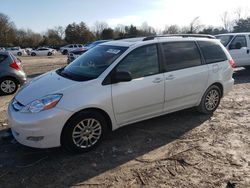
(39, 15)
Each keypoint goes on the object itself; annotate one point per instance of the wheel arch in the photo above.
(11, 77)
(94, 109)
(218, 84)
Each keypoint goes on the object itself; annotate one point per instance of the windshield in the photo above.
(92, 63)
(225, 39)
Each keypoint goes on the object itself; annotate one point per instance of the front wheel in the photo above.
(19, 53)
(84, 131)
(49, 54)
(33, 54)
(210, 100)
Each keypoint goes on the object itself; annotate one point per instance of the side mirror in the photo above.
(121, 76)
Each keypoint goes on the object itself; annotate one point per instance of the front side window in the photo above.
(212, 52)
(141, 62)
(180, 55)
(224, 39)
(92, 63)
(238, 42)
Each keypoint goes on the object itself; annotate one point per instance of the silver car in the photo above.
(11, 74)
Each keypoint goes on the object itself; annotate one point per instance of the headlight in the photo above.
(45, 103)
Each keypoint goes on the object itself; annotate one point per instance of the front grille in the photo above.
(17, 105)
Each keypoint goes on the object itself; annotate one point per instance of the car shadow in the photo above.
(58, 168)
(241, 76)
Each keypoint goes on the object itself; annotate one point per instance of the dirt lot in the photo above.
(183, 149)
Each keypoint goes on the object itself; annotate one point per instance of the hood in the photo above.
(46, 84)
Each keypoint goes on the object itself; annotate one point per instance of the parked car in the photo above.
(16, 51)
(65, 49)
(238, 45)
(118, 83)
(2, 49)
(72, 55)
(28, 50)
(75, 54)
(43, 52)
(11, 74)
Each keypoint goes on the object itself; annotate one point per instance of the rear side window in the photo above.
(180, 55)
(212, 52)
(2, 58)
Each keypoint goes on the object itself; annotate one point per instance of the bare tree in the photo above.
(195, 25)
(119, 31)
(172, 29)
(227, 21)
(99, 27)
(60, 31)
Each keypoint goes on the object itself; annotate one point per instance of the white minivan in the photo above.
(238, 45)
(119, 83)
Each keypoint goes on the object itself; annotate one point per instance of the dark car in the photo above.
(11, 73)
(79, 51)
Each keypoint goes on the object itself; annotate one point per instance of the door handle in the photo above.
(247, 51)
(170, 77)
(157, 80)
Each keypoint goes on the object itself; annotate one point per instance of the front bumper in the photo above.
(38, 130)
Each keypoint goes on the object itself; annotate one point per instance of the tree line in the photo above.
(81, 33)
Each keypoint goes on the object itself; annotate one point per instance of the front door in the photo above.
(143, 96)
(239, 50)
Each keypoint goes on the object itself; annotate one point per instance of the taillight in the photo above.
(232, 63)
(15, 65)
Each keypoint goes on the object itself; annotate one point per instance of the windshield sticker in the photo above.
(113, 51)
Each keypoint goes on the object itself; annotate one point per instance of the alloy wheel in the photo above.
(8, 86)
(87, 133)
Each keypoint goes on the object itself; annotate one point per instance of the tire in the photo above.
(19, 53)
(65, 52)
(33, 54)
(8, 86)
(210, 100)
(49, 54)
(77, 125)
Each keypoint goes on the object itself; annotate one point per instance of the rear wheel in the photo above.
(19, 53)
(33, 54)
(210, 100)
(84, 131)
(8, 86)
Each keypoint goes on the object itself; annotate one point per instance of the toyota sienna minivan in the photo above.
(119, 83)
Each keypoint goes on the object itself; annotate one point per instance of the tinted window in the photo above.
(180, 55)
(2, 57)
(212, 52)
(238, 40)
(141, 62)
(92, 63)
(225, 39)
(70, 46)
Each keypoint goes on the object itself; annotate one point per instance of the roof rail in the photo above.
(195, 35)
(180, 35)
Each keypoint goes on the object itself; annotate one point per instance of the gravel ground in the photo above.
(182, 149)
